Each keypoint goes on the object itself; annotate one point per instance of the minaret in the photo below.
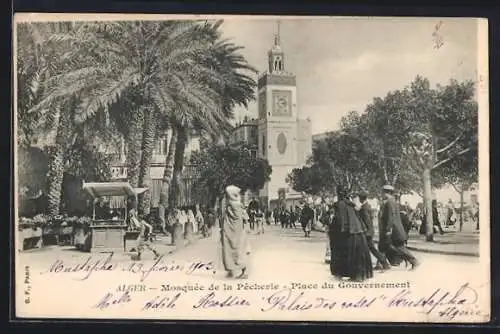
(276, 55)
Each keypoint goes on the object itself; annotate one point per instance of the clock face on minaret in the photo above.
(282, 103)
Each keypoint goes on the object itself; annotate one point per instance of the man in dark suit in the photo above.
(392, 235)
(253, 206)
(306, 218)
(365, 215)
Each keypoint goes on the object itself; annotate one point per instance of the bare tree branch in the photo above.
(386, 177)
(455, 187)
(453, 142)
(436, 165)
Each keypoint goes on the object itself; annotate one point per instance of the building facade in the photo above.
(157, 167)
(246, 133)
(284, 139)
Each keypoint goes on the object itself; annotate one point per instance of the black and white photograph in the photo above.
(273, 168)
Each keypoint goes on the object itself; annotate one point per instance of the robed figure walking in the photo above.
(365, 214)
(393, 236)
(349, 249)
(233, 234)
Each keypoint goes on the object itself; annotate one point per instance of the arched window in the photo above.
(278, 63)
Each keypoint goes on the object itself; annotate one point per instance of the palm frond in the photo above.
(106, 95)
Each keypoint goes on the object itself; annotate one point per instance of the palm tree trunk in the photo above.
(134, 144)
(56, 167)
(167, 176)
(148, 141)
(176, 196)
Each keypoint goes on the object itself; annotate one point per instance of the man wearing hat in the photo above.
(392, 236)
(306, 218)
(365, 215)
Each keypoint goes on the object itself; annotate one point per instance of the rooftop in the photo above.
(246, 122)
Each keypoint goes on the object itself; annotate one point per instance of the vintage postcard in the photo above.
(175, 167)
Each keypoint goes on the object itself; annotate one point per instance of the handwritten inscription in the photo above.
(87, 267)
(444, 303)
(288, 300)
(438, 38)
(211, 300)
(91, 265)
(160, 266)
(300, 297)
(162, 302)
(113, 299)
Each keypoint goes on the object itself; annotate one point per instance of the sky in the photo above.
(341, 64)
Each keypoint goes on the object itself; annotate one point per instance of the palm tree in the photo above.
(133, 71)
(232, 87)
(39, 61)
(143, 73)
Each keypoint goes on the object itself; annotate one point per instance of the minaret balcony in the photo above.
(281, 78)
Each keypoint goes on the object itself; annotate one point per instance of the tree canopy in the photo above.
(221, 165)
(384, 145)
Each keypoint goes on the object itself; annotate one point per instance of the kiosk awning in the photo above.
(101, 189)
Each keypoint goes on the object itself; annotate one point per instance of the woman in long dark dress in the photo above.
(350, 253)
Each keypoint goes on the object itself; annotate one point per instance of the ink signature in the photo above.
(438, 39)
(91, 265)
(443, 303)
(110, 299)
(212, 301)
(162, 302)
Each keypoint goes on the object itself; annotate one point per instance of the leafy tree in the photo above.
(445, 132)
(310, 180)
(221, 166)
(415, 139)
(461, 173)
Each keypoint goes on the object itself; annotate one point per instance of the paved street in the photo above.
(276, 253)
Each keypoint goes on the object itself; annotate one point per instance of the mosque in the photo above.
(279, 134)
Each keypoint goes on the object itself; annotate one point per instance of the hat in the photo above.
(363, 194)
(388, 187)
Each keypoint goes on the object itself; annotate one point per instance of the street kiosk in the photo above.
(108, 234)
